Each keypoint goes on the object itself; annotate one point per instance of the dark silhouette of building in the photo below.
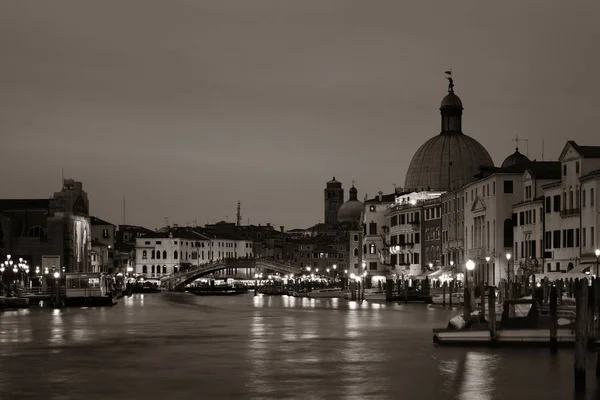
(334, 198)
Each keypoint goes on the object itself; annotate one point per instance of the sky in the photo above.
(184, 107)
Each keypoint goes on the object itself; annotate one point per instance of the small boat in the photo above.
(327, 293)
(528, 326)
(374, 295)
(457, 298)
(218, 291)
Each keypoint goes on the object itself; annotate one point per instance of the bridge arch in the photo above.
(178, 281)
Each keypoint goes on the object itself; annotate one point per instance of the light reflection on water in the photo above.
(182, 346)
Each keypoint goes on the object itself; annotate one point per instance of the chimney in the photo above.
(380, 197)
(281, 228)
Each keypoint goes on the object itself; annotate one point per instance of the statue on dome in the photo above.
(450, 81)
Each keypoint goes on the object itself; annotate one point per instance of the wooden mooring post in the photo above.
(482, 298)
(553, 319)
(579, 366)
(492, 313)
(450, 290)
(389, 287)
(444, 287)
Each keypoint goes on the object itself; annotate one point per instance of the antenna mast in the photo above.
(239, 213)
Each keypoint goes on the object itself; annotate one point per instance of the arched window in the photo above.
(152, 255)
(356, 252)
(153, 269)
(36, 231)
(157, 269)
(164, 254)
(175, 254)
(144, 254)
(144, 269)
(365, 248)
(164, 269)
(158, 255)
(570, 266)
(175, 269)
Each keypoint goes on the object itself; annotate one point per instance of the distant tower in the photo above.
(334, 198)
(239, 214)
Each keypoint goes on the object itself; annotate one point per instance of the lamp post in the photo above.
(597, 252)
(508, 256)
(487, 267)
(470, 266)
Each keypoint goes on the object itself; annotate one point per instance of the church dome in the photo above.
(450, 159)
(351, 210)
(515, 159)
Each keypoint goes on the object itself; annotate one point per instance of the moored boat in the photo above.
(327, 293)
(528, 326)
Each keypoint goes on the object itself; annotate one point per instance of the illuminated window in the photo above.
(144, 254)
(372, 248)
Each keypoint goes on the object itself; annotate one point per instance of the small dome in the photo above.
(351, 210)
(515, 159)
(451, 101)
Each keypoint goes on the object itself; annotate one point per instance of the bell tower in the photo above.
(334, 198)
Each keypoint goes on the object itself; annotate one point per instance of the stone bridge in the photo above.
(177, 281)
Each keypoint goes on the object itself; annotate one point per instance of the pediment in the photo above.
(79, 207)
(527, 176)
(478, 205)
(569, 152)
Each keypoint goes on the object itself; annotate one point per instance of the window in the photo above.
(556, 239)
(144, 269)
(417, 238)
(356, 237)
(592, 197)
(373, 265)
(153, 268)
(164, 269)
(577, 237)
(493, 187)
(372, 208)
(153, 255)
(508, 187)
(373, 228)
(570, 241)
(583, 237)
(564, 169)
(158, 255)
(583, 200)
(416, 258)
(548, 205)
(521, 218)
(36, 231)
(576, 167)
(355, 252)
(144, 254)
(556, 203)
(164, 254)
(105, 233)
(548, 240)
(394, 220)
(175, 254)
(372, 248)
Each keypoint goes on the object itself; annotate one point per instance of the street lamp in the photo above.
(308, 268)
(508, 256)
(597, 252)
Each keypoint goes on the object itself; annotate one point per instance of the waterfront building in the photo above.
(376, 249)
(100, 259)
(571, 211)
(51, 232)
(405, 231)
(453, 231)
(431, 232)
(104, 232)
(528, 218)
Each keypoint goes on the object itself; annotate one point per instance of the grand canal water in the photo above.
(180, 346)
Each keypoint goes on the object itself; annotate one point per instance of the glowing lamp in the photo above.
(508, 256)
(597, 252)
(487, 259)
(470, 265)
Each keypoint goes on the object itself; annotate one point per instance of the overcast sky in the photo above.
(187, 106)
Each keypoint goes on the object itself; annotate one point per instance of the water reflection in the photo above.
(182, 346)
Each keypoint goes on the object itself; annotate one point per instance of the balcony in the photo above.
(569, 213)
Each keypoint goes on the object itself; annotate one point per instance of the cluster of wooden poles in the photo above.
(586, 293)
